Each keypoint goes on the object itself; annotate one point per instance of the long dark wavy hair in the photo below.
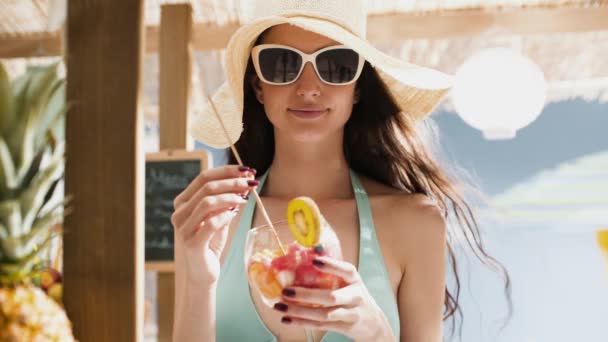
(383, 143)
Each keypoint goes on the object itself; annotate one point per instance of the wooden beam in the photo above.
(386, 28)
(390, 27)
(33, 45)
(103, 244)
(205, 36)
(175, 59)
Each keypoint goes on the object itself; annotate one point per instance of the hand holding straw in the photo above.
(255, 193)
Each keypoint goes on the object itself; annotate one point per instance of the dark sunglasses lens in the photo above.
(279, 65)
(338, 66)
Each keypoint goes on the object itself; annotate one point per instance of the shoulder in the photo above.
(412, 224)
(400, 204)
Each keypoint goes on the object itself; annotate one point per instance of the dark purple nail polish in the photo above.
(289, 292)
(318, 263)
(245, 197)
(232, 208)
(281, 307)
(253, 182)
(286, 320)
(244, 168)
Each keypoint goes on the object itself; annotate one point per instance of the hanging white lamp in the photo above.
(499, 91)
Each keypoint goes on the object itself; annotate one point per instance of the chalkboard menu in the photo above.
(167, 175)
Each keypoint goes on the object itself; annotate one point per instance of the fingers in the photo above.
(228, 171)
(339, 327)
(340, 268)
(208, 228)
(333, 314)
(348, 296)
(204, 197)
(209, 206)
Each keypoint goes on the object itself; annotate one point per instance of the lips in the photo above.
(307, 112)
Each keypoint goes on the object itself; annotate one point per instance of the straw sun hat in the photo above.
(417, 90)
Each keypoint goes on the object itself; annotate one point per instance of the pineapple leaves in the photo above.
(10, 272)
(8, 179)
(6, 101)
(16, 248)
(33, 197)
(32, 156)
(10, 215)
(40, 101)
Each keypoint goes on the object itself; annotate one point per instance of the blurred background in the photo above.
(541, 71)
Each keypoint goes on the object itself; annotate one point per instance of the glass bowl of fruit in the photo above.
(272, 265)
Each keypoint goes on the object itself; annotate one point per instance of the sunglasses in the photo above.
(282, 65)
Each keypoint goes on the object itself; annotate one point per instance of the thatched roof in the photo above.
(439, 34)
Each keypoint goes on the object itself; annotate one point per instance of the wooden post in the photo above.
(175, 59)
(103, 242)
(175, 70)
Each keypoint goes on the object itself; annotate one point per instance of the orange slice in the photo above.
(265, 280)
(304, 221)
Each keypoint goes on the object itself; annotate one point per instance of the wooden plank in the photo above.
(175, 58)
(387, 27)
(103, 244)
(34, 45)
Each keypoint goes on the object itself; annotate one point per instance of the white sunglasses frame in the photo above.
(255, 56)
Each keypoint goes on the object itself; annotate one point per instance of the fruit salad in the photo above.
(270, 271)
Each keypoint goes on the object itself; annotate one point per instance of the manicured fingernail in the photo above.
(289, 292)
(286, 320)
(254, 171)
(245, 197)
(244, 168)
(253, 182)
(318, 263)
(281, 307)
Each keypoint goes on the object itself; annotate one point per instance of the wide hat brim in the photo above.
(417, 90)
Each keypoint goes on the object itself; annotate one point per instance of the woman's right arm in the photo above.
(203, 212)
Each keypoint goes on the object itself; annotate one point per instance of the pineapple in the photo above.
(32, 114)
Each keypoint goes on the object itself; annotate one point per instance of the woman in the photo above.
(336, 129)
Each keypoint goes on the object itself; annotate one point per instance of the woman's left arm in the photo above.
(422, 288)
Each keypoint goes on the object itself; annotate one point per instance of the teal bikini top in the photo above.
(236, 316)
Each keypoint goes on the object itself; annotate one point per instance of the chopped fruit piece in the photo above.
(319, 249)
(265, 280)
(304, 220)
(48, 277)
(306, 276)
(286, 278)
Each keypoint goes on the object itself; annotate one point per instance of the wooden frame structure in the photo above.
(400, 26)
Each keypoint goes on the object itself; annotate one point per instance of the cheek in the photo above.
(343, 98)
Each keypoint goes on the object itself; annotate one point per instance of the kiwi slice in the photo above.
(304, 221)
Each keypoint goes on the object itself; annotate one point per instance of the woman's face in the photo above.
(307, 110)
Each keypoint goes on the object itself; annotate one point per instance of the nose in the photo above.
(308, 85)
